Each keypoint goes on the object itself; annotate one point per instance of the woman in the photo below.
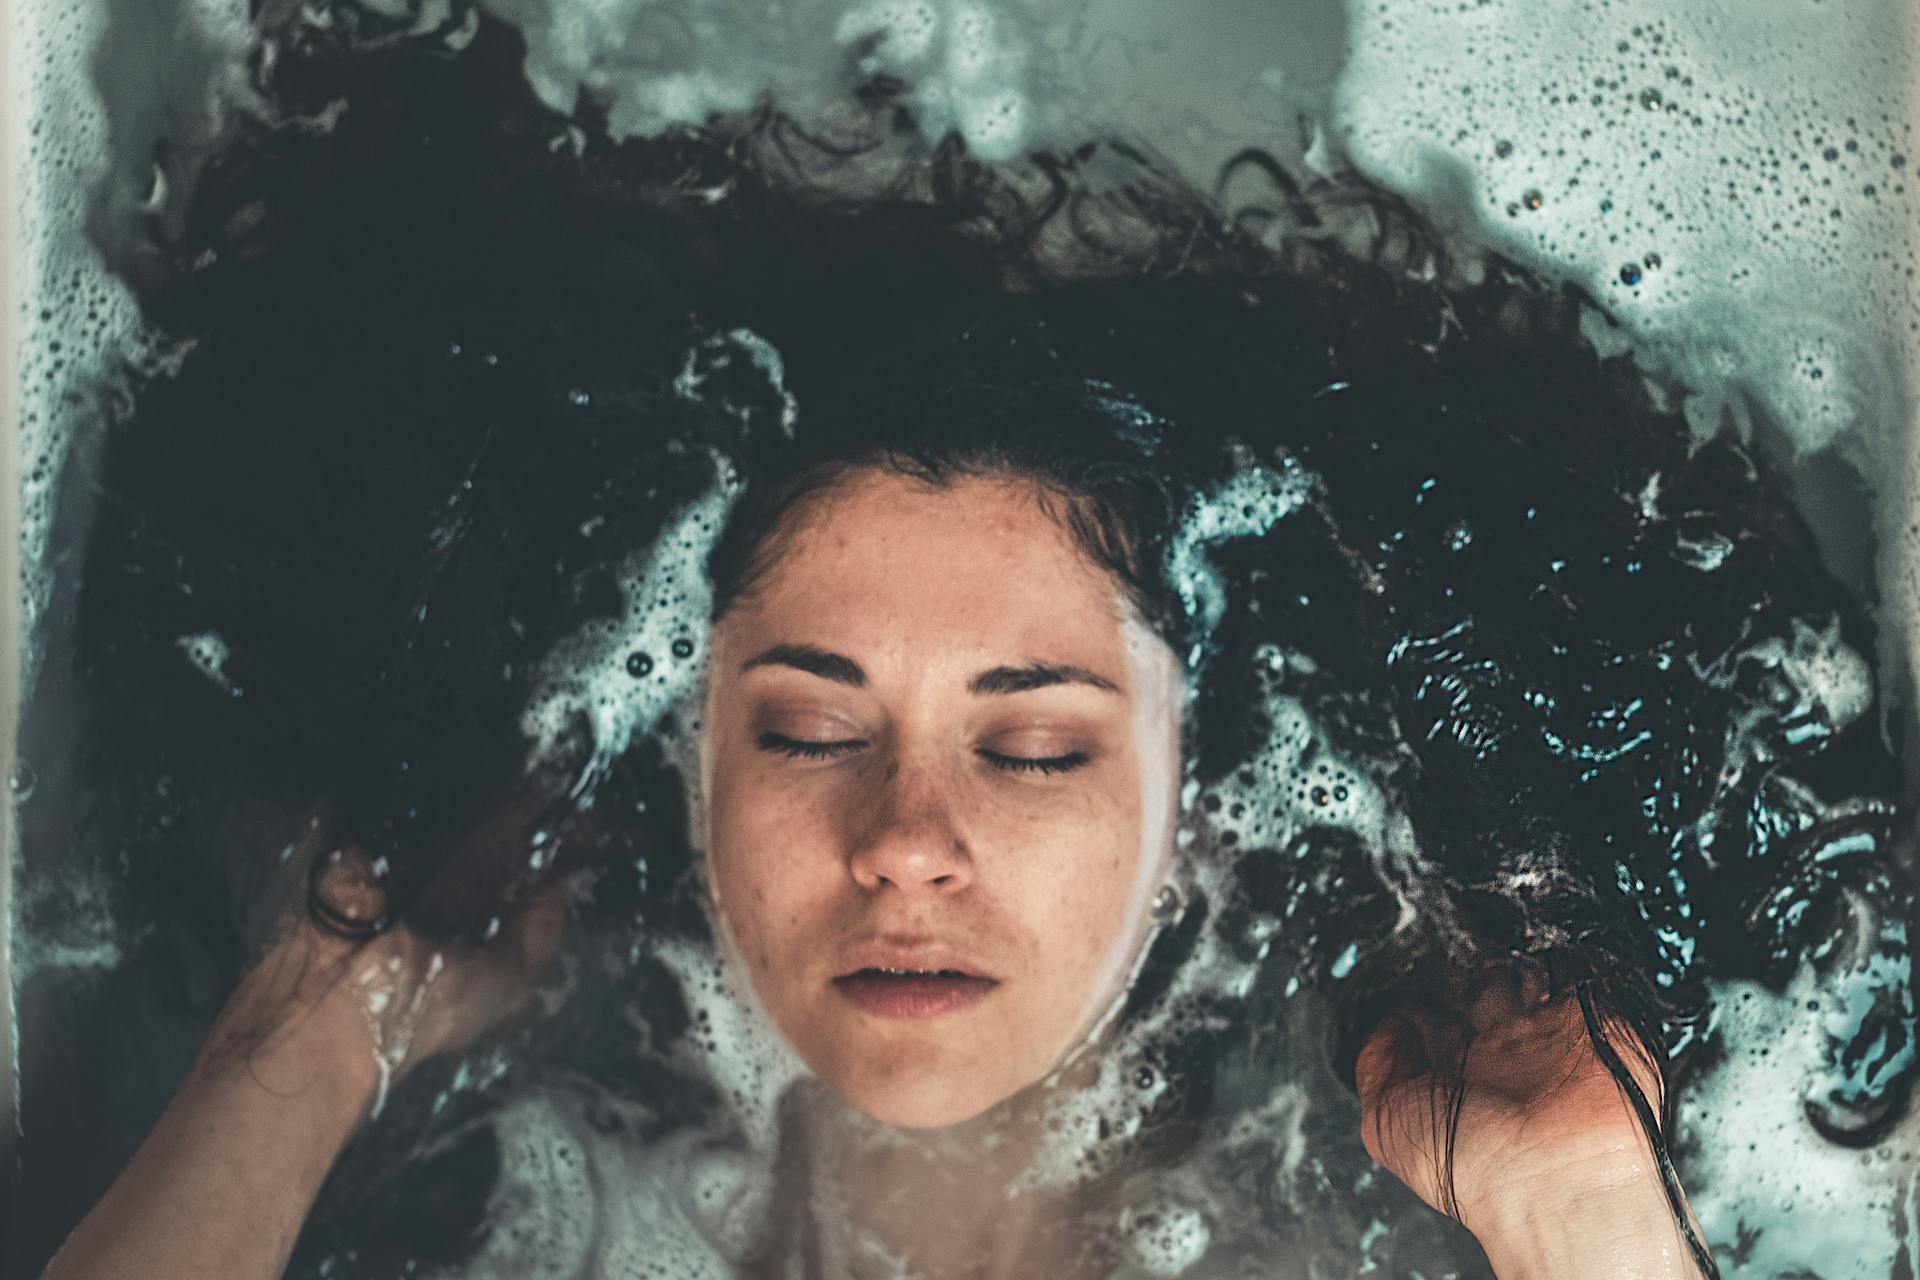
(953, 698)
(939, 774)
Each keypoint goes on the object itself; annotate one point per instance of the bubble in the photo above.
(722, 352)
(1630, 273)
(1757, 1103)
(86, 322)
(1167, 1240)
(589, 675)
(209, 655)
(953, 56)
(639, 665)
(1246, 505)
(1750, 191)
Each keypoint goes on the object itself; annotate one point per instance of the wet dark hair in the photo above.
(392, 500)
(1001, 400)
(995, 401)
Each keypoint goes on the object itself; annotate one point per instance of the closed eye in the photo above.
(1034, 764)
(802, 748)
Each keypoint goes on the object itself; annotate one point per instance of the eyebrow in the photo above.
(841, 669)
(813, 660)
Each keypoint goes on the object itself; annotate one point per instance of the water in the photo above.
(1629, 636)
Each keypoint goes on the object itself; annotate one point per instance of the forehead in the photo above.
(976, 566)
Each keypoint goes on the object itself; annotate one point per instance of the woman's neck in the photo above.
(867, 1199)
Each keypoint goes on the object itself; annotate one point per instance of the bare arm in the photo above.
(311, 1037)
(223, 1183)
(1615, 1224)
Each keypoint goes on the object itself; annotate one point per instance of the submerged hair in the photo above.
(1508, 541)
(994, 402)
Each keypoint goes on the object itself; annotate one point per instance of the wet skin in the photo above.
(938, 774)
(935, 742)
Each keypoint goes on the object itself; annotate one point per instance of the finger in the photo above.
(283, 911)
(1503, 996)
(495, 979)
(348, 892)
(516, 845)
(489, 984)
(1394, 1051)
(536, 934)
(1402, 1130)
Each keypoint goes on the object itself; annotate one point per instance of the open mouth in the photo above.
(912, 993)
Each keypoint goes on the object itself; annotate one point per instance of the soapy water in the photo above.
(1734, 184)
(1199, 1216)
(1715, 751)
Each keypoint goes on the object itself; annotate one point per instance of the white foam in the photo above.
(1731, 180)
(622, 677)
(733, 1040)
(968, 63)
(1298, 779)
(208, 653)
(1736, 307)
(77, 321)
(1834, 680)
(1773, 1196)
(1166, 1238)
(576, 1198)
(76, 925)
(967, 66)
(1817, 686)
(1246, 505)
(719, 352)
(1735, 182)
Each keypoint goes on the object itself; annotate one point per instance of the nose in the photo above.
(909, 840)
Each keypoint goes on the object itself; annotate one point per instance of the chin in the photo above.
(919, 1095)
(919, 1107)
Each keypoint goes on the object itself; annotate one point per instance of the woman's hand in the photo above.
(1550, 1168)
(358, 1014)
(309, 1042)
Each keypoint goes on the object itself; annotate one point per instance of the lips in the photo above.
(912, 994)
(911, 980)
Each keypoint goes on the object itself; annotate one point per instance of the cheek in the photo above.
(768, 855)
(1076, 899)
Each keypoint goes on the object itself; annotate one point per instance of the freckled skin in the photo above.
(913, 833)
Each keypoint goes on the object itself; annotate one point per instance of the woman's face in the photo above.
(940, 767)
